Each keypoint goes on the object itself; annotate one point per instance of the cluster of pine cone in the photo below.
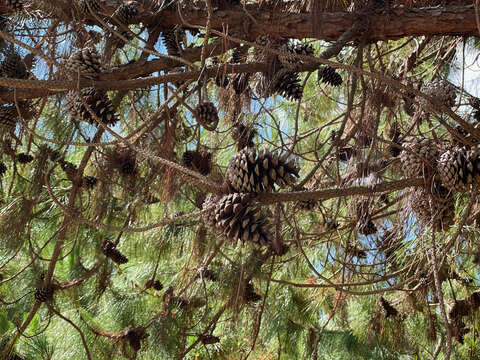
(249, 172)
(448, 168)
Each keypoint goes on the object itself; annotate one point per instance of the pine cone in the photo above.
(200, 161)
(169, 38)
(387, 309)
(206, 274)
(155, 284)
(135, 336)
(208, 339)
(365, 225)
(98, 102)
(208, 218)
(237, 219)
(328, 75)
(13, 66)
(414, 161)
(287, 84)
(3, 169)
(15, 4)
(442, 91)
(394, 135)
(249, 294)
(252, 172)
(459, 167)
(474, 102)
(207, 115)
(44, 293)
(69, 169)
(301, 48)
(24, 158)
(94, 5)
(8, 117)
(408, 104)
(125, 160)
(294, 48)
(110, 251)
(243, 136)
(438, 206)
(86, 61)
(127, 12)
(89, 181)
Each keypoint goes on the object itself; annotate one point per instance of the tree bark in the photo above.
(397, 23)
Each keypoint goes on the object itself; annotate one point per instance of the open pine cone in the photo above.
(420, 157)
(252, 172)
(86, 62)
(459, 167)
(237, 219)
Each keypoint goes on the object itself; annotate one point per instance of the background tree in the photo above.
(239, 179)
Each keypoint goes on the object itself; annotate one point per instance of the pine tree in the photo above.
(233, 180)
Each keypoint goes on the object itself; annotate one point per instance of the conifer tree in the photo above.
(239, 179)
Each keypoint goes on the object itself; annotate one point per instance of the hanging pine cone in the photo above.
(169, 39)
(86, 61)
(110, 251)
(8, 117)
(475, 104)
(394, 135)
(89, 181)
(200, 161)
(263, 40)
(127, 12)
(98, 102)
(249, 294)
(44, 293)
(24, 158)
(3, 169)
(252, 172)
(409, 104)
(419, 160)
(442, 91)
(208, 217)
(439, 207)
(287, 84)
(243, 135)
(207, 115)
(294, 48)
(206, 274)
(301, 48)
(13, 66)
(386, 308)
(328, 75)
(307, 205)
(155, 284)
(458, 168)
(124, 160)
(94, 5)
(208, 339)
(365, 225)
(69, 169)
(134, 336)
(238, 220)
(16, 5)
